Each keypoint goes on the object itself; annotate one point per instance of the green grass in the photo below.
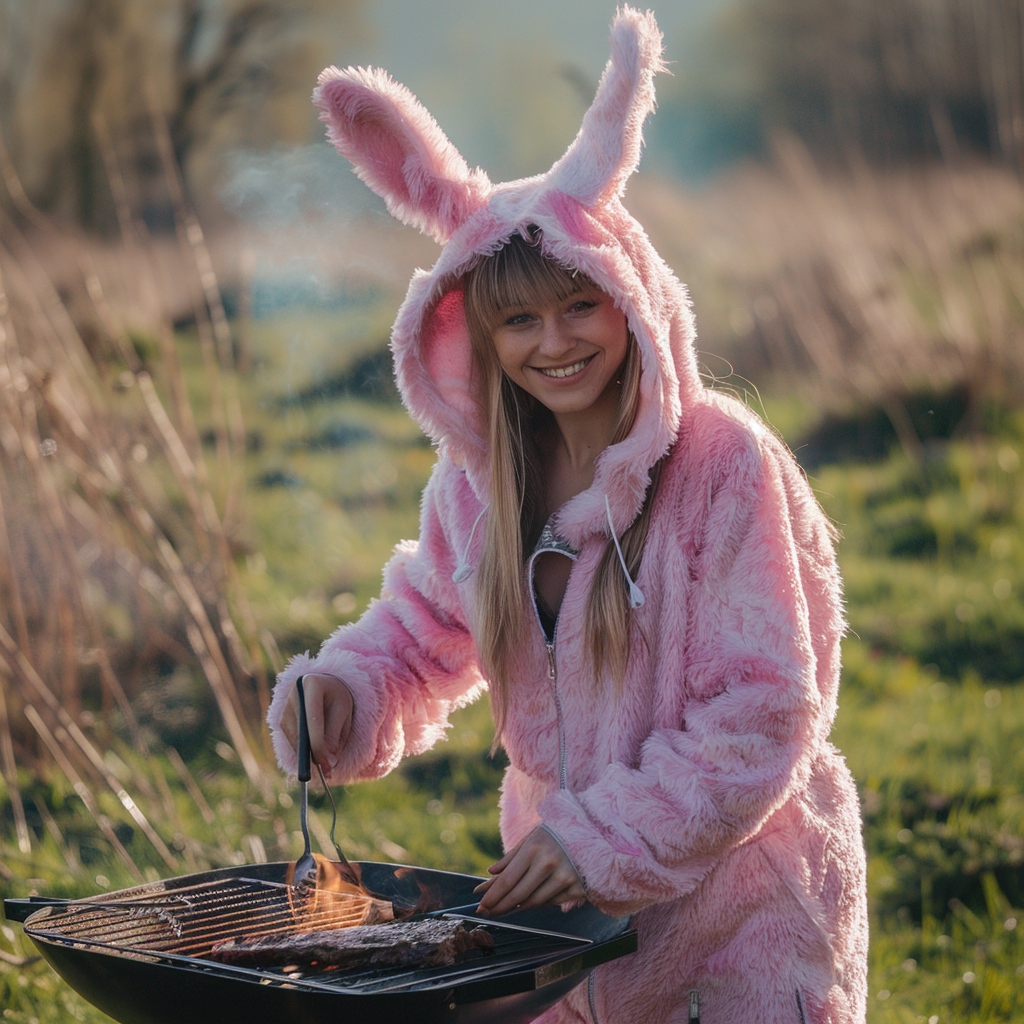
(931, 713)
(931, 707)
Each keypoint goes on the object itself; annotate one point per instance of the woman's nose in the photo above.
(555, 337)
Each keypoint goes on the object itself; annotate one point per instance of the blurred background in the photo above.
(204, 464)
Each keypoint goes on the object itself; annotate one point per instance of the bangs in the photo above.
(518, 274)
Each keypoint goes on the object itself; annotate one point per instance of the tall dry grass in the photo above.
(117, 531)
(855, 288)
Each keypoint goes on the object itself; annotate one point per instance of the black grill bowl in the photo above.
(144, 988)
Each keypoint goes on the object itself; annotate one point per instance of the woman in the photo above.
(635, 565)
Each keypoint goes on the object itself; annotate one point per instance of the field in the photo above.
(932, 707)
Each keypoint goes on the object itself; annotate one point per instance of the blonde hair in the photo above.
(519, 274)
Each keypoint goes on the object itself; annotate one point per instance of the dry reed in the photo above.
(856, 288)
(115, 537)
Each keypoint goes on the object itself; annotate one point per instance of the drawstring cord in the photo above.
(636, 595)
(464, 570)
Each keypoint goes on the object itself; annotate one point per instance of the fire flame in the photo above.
(348, 905)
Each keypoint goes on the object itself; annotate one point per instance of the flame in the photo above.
(348, 905)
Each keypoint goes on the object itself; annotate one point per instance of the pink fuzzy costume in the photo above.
(705, 799)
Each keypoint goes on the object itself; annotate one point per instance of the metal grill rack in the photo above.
(184, 924)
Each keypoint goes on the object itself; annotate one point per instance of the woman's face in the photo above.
(566, 354)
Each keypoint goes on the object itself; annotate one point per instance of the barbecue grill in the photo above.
(140, 954)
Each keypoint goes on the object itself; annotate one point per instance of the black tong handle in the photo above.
(302, 751)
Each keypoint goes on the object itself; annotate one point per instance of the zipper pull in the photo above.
(551, 660)
(693, 1017)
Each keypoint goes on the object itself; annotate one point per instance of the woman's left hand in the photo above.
(533, 873)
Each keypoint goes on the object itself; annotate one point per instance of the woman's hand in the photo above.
(329, 708)
(532, 874)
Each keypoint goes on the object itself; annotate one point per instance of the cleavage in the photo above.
(550, 578)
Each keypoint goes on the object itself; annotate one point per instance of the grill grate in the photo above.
(183, 924)
(191, 920)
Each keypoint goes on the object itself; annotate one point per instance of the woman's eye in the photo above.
(582, 306)
(518, 320)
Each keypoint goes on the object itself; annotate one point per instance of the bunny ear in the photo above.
(607, 149)
(397, 148)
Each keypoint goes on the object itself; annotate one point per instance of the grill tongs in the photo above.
(306, 869)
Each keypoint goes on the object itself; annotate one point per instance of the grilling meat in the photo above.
(434, 942)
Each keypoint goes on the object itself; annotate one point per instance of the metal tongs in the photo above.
(306, 868)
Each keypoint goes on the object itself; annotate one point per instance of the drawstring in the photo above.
(636, 596)
(464, 570)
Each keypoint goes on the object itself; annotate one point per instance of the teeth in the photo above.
(566, 371)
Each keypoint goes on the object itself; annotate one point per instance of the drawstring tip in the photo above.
(464, 570)
(636, 595)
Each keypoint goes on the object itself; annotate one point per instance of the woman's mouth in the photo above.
(566, 371)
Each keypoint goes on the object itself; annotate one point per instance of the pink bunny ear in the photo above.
(397, 148)
(607, 149)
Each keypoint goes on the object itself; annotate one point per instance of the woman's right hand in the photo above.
(329, 709)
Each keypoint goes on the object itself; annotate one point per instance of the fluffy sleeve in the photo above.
(410, 659)
(754, 664)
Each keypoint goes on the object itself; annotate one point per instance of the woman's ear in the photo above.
(397, 148)
(607, 149)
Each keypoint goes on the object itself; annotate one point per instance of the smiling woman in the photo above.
(653, 599)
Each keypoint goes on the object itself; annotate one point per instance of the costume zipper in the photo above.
(592, 995)
(553, 676)
(693, 1016)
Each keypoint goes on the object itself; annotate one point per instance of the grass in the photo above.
(930, 713)
(930, 716)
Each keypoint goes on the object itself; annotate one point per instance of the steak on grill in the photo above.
(433, 942)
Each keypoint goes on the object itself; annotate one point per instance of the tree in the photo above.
(224, 74)
(891, 78)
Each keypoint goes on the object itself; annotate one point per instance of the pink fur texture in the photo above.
(702, 796)
(398, 149)
(607, 150)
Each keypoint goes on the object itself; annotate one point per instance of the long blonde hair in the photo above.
(519, 274)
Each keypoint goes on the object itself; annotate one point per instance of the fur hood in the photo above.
(398, 149)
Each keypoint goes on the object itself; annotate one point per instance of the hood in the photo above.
(398, 149)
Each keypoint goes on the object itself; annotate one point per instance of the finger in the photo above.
(498, 866)
(559, 889)
(500, 899)
(484, 885)
(571, 892)
(315, 718)
(500, 886)
(503, 883)
(565, 895)
(545, 893)
(508, 872)
(338, 718)
(518, 896)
